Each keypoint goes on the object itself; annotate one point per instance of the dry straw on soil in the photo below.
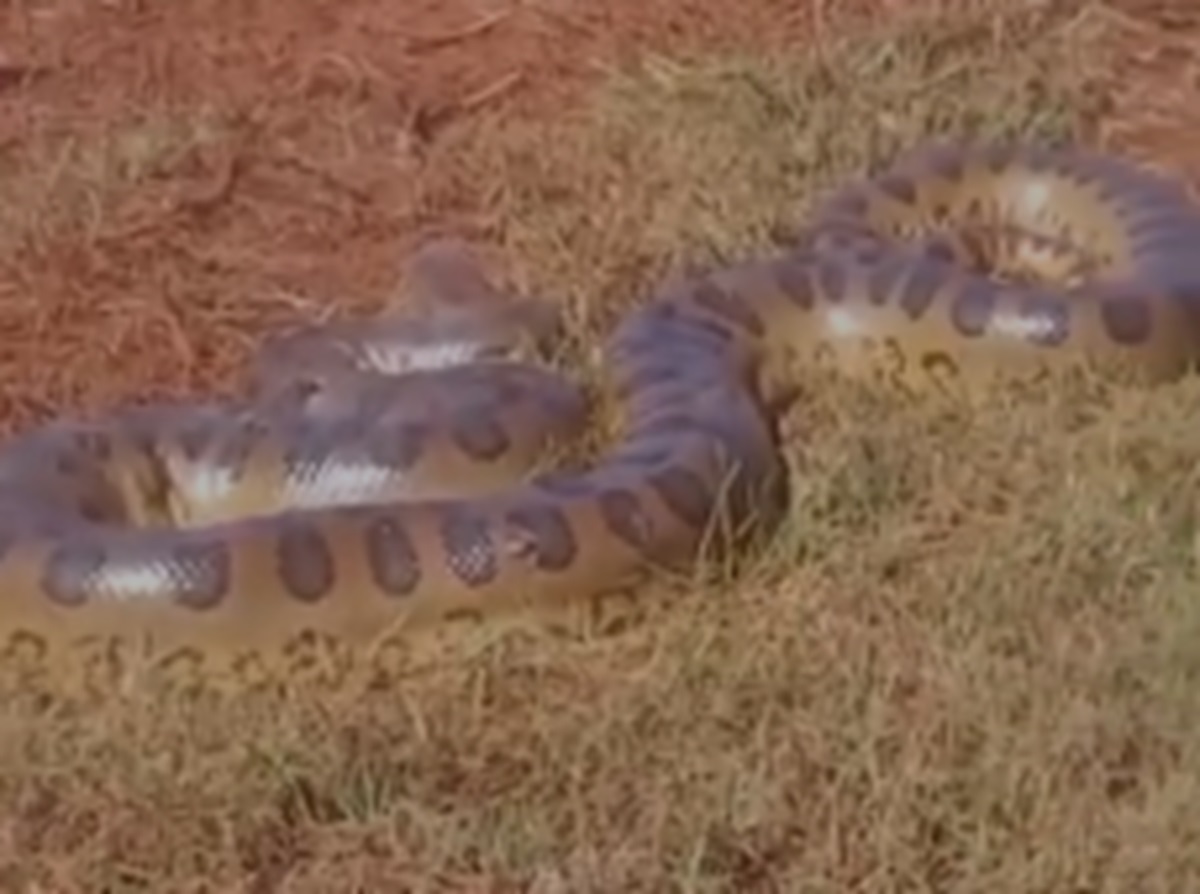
(967, 665)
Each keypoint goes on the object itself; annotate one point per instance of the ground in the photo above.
(963, 670)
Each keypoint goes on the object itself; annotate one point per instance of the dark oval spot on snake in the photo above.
(925, 279)
(685, 493)
(1127, 319)
(997, 157)
(399, 445)
(201, 573)
(391, 556)
(478, 434)
(945, 163)
(854, 238)
(624, 516)
(851, 202)
(70, 571)
(470, 551)
(1042, 159)
(791, 276)
(884, 276)
(831, 279)
(546, 531)
(562, 401)
(939, 248)
(303, 560)
(973, 307)
(900, 187)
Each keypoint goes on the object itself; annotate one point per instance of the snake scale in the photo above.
(346, 500)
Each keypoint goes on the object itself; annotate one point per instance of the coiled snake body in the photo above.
(217, 532)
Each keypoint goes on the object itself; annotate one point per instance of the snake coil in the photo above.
(347, 500)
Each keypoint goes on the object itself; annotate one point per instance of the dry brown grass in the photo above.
(967, 665)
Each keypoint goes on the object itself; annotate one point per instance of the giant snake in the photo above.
(381, 477)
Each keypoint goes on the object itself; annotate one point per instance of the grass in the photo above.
(75, 178)
(689, 161)
(967, 665)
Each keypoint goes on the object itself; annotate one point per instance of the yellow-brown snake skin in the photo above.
(347, 503)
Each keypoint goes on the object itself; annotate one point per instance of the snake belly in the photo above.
(364, 514)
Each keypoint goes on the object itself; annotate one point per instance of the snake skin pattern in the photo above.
(385, 475)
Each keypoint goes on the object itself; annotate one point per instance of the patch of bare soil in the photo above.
(175, 178)
(1154, 82)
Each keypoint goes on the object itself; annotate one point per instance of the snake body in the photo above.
(344, 502)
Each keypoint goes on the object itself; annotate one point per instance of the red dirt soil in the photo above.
(329, 115)
(153, 276)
